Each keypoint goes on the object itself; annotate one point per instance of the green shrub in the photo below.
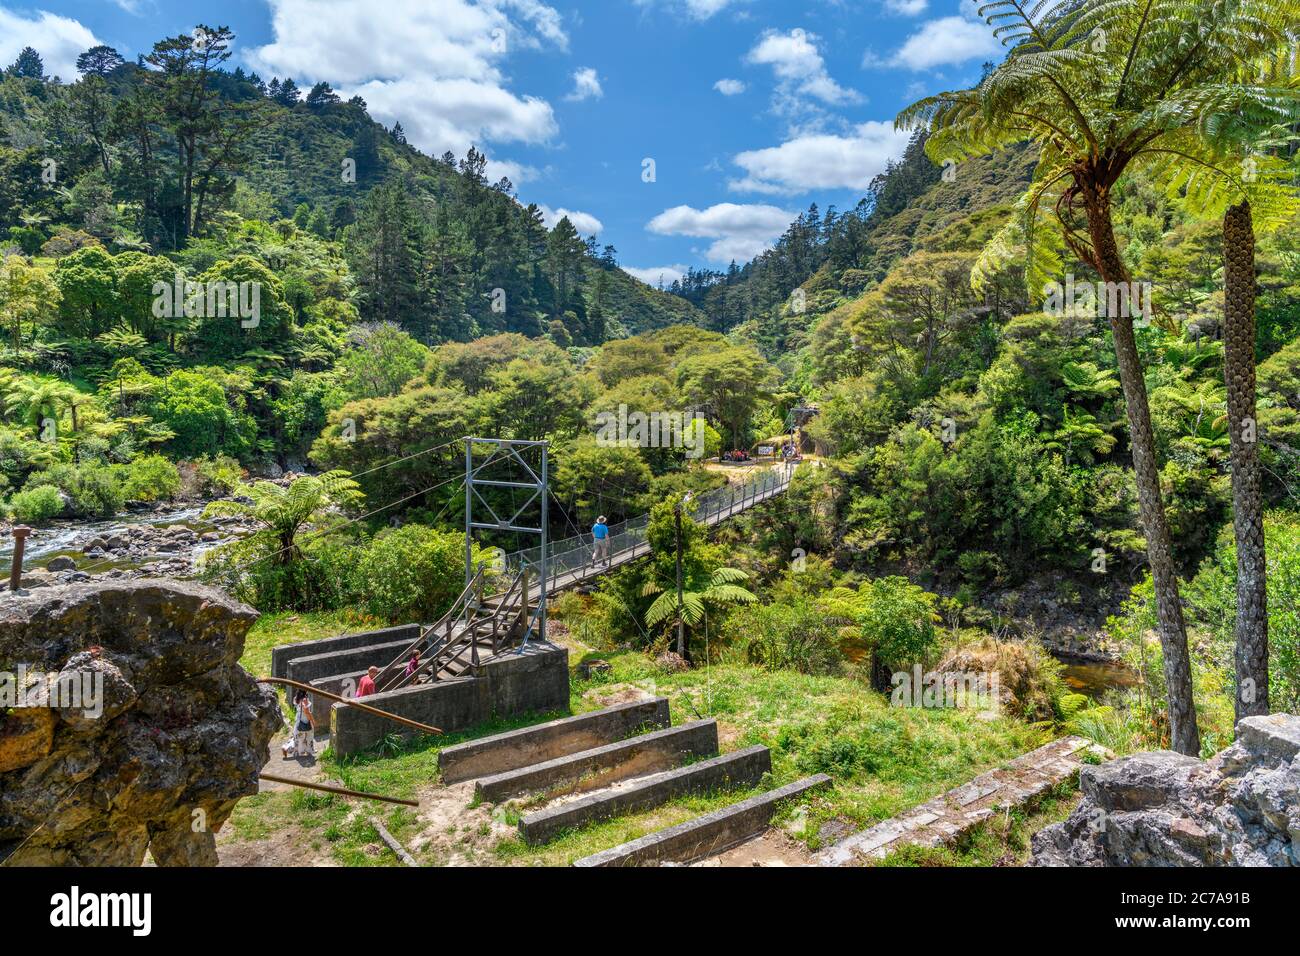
(151, 478)
(93, 489)
(412, 573)
(36, 505)
(795, 636)
(320, 579)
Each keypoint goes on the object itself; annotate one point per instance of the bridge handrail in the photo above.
(394, 679)
(574, 552)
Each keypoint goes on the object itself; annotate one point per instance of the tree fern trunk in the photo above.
(1184, 735)
(1247, 506)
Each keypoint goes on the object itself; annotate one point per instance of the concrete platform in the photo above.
(602, 766)
(280, 656)
(741, 768)
(558, 738)
(532, 680)
(708, 834)
(335, 663)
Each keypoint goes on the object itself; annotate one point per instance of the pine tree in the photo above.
(29, 65)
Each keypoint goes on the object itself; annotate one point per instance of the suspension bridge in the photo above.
(504, 602)
(503, 605)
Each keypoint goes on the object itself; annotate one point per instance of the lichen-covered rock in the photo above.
(1240, 808)
(168, 734)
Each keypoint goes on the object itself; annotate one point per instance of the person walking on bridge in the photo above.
(600, 534)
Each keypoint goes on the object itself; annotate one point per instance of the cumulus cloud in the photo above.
(586, 85)
(729, 87)
(739, 232)
(945, 42)
(434, 67)
(695, 9)
(821, 161)
(657, 275)
(799, 67)
(59, 40)
(908, 8)
(584, 222)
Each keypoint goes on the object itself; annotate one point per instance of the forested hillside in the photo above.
(177, 151)
(981, 437)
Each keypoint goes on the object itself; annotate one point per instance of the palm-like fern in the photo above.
(1087, 380)
(1081, 434)
(283, 512)
(721, 587)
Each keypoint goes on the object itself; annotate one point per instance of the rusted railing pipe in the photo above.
(342, 791)
(351, 702)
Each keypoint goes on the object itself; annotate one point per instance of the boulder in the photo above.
(61, 564)
(168, 733)
(1240, 808)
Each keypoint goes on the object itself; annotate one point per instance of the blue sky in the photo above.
(749, 109)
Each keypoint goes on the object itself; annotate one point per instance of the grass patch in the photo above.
(290, 627)
(882, 759)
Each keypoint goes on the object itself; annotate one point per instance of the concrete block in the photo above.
(280, 656)
(557, 738)
(708, 834)
(741, 768)
(534, 681)
(449, 705)
(334, 663)
(602, 766)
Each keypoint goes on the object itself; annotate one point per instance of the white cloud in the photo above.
(59, 41)
(440, 115)
(729, 87)
(657, 275)
(584, 222)
(739, 232)
(799, 66)
(586, 85)
(434, 67)
(695, 9)
(947, 41)
(908, 8)
(822, 161)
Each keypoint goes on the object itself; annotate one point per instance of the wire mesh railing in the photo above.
(578, 552)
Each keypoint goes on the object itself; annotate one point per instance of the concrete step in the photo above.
(741, 768)
(707, 834)
(556, 738)
(602, 766)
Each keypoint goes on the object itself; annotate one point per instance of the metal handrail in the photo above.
(447, 621)
(463, 631)
(572, 553)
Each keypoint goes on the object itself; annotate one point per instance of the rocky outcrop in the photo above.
(136, 727)
(1240, 808)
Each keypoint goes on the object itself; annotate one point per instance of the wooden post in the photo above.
(20, 534)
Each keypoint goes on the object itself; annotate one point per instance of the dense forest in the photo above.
(975, 442)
